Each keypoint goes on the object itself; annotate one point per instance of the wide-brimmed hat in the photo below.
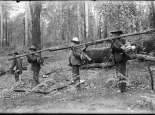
(75, 40)
(117, 32)
(15, 52)
(32, 47)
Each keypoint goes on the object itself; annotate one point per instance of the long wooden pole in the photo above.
(87, 44)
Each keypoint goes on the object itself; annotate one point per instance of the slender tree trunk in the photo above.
(68, 26)
(62, 24)
(86, 20)
(118, 14)
(94, 20)
(42, 34)
(105, 34)
(26, 24)
(79, 20)
(35, 8)
(99, 27)
(6, 31)
(11, 43)
(152, 22)
(9, 35)
(84, 16)
(152, 18)
(1, 13)
(24, 33)
(105, 24)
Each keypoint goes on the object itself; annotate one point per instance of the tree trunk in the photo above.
(79, 20)
(42, 34)
(9, 35)
(6, 31)
(152, 22)
(86, 19)
(24, 33)
(26, 24)
(1, 13)
(62, 24)
(118, 14)
(35, 8)
(152, 13)
(105, 35)
(68, 26)
(94, 20)
(99, 28)
(11, 39)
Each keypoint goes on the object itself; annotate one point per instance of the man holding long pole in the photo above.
(36, 61)
(120, 59)
(76, 56)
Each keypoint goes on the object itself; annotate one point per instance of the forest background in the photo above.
(50, 23)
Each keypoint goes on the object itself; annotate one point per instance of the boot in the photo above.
(122, 86)
(77, 85)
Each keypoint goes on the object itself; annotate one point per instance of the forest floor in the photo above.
(96, 98)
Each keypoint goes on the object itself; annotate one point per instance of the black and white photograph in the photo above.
(88, 56)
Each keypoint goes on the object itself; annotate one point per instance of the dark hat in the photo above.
(117, 32)
(15, 52)
(32, 47)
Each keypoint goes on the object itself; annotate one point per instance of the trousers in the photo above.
(36, 77)
(76, 74)
(121, 68)
(17, 73)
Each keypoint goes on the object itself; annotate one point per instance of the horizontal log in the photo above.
(145, 57)
(87, 44)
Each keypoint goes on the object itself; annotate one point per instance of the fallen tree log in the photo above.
(97, 65)
(145, 57)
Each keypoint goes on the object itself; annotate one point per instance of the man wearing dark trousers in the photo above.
(36, 61)
(76, 56)
(120, 58)
(16, 66)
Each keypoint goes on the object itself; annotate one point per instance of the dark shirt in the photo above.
(116, 46)
(35, 60)
(119, 54)
(16, 64)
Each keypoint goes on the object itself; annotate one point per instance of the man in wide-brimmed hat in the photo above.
(36, 61)
(75, 60)
(120, 56)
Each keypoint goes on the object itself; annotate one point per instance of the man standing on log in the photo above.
(120, 59)
(76, 56)
(36, 61)
(16, 66)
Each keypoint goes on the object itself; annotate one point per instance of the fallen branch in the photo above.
(56, 88)
(97, 65)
